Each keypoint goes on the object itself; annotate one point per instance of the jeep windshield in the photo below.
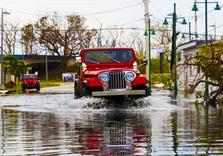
(108, 56)
(34, 77)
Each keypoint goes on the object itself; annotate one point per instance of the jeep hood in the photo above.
(96, 70)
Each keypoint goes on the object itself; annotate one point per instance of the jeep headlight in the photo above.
(103, 77)
(130, 76)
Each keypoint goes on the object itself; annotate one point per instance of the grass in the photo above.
(44, 84)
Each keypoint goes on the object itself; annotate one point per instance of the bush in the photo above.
(163, 78)
(10, 84)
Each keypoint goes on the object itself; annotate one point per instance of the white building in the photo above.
(187, 74)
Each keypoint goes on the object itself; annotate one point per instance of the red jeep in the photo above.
(107, 72)
(30, 81)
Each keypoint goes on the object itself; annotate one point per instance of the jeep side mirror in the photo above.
(144, 61)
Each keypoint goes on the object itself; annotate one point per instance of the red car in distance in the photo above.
(30, 81)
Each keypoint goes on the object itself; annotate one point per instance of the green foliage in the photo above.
(28, 38)
(155, 65)
(157, 77)
(163, 78)
(13, 66)
(141, 66)
(210, 60)
(77, 67)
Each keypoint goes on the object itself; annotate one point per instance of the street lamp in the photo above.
(173, 51)
(195, 8)
(189, 33)
(148, 33)
(2, 44)
(2, 28)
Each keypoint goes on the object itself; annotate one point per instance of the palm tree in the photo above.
(13, 66)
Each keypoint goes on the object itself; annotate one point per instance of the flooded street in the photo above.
(57, 124)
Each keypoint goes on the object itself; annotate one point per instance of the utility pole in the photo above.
(2, 32)
(173, 53)
(147, 40)
(2, 74)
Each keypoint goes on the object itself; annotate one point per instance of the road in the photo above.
(64, 88)
(54, 123)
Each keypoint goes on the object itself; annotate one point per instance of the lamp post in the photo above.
(189, 31)
(46, 67)
(195, 8)
(148, 33)
(190, 34)
(173, 51)
(2, 44)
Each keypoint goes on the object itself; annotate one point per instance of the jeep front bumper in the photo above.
(118, 93)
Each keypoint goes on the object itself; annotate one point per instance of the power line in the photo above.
(25, 13)
(113, 10)
(87, 14)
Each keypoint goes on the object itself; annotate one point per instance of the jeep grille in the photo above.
(117, 80)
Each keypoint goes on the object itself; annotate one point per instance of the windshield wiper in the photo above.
(92, 61)
(115, 60)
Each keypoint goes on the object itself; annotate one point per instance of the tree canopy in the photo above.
(63, 40)
(210, 60)
(12, 65)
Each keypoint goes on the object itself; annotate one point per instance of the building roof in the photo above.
(190, 45)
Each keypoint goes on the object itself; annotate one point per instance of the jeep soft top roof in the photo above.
(106, 48)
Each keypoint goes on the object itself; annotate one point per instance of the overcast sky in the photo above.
(111, 13)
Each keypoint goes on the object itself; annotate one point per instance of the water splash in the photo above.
(159, 101)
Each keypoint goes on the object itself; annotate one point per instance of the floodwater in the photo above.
(56, 124)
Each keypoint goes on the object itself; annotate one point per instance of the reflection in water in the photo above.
(195, 130)
(113, 133)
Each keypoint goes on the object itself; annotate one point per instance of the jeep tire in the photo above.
(23, 89)
(77, 91)
(38, 88)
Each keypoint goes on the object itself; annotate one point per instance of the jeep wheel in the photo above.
(146, 88)
(38, 89)
(23, 89)
(86, 91)
(148, 91)
(77, 92)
